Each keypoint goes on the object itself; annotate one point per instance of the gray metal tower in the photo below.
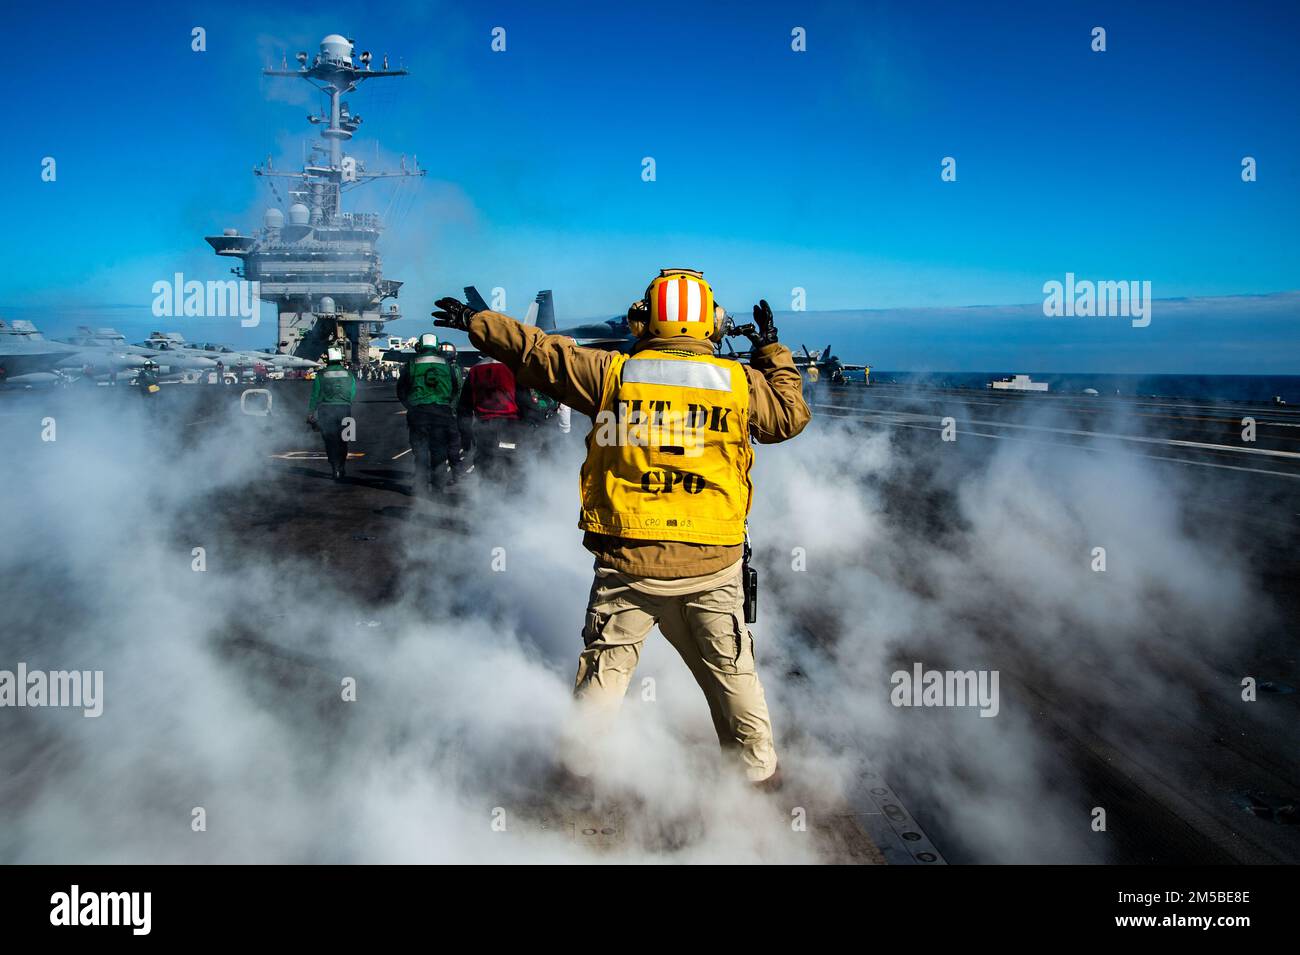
(317, 263)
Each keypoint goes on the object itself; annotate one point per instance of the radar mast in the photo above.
(318, 264)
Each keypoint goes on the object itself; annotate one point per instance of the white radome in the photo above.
(336, 47)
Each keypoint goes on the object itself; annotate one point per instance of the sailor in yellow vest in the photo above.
(811, 376)
(666, 488)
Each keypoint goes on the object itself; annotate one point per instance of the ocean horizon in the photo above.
(1244, 388)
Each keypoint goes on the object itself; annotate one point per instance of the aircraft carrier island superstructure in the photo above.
(317, 263)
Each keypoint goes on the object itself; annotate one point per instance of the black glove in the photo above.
(452, 313)
(765, 332)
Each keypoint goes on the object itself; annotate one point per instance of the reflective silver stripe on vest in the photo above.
(335, 373)
(684, 373)
(430, 360)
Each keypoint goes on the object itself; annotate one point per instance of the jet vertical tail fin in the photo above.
(545, 311)
(474, 300)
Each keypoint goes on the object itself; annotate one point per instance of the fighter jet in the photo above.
(110, 338)
(26, 357)
(282, 360)
(170, 350)
(246, 359)
(114, 343)
(829, 365)
(29, 359)
(204, 356)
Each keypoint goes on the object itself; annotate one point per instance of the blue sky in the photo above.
(775, 169)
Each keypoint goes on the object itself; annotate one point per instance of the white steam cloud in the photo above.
(223, 688)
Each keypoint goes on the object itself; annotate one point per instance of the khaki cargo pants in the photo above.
(708, 630)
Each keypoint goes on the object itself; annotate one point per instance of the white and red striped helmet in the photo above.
(680, 302)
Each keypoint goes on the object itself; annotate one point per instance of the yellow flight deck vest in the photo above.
(668, 457)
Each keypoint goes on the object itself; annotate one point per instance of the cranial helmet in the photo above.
(428, 342)
(334, 354)
(677, 302)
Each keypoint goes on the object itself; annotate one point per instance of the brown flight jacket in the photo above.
(557, 367)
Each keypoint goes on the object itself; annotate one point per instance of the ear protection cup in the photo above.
(720, 325)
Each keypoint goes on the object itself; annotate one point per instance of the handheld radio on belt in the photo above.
(749, 580)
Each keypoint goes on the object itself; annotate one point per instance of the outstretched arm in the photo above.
(776, 395)
(552, 364)
(778, 411)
